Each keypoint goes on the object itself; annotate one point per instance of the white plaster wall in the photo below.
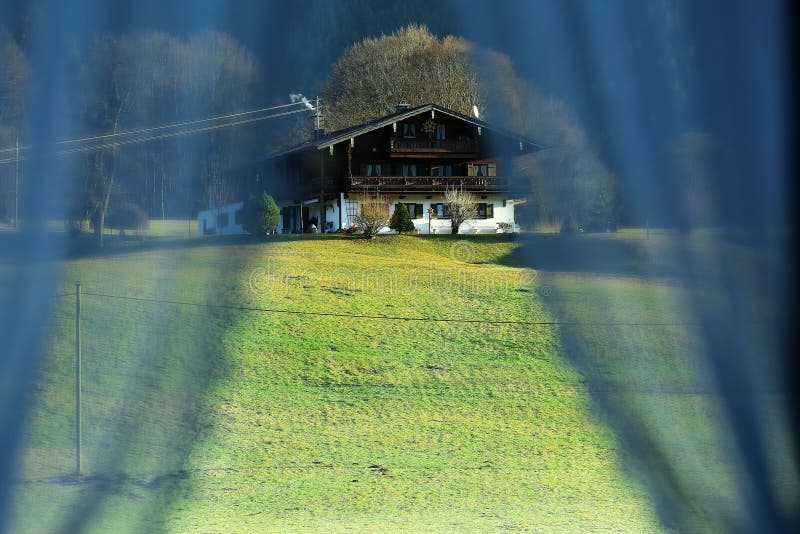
(210, 218)
(331, 216)
(437, 226)
(442, 226)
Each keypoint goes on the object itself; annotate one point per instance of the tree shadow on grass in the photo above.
(147, 368)
(15, 246)
(687, 374)
(589, 253)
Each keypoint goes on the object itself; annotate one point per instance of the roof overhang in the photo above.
(349, 134)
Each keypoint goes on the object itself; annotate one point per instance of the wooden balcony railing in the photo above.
(312, 187)
(428, 183)
(460, 146)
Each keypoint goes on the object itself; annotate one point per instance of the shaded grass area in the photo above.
(144, 373)
(216, 420)
(658, 390)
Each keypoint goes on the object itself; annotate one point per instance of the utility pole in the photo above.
(78, 378)
(16, 187)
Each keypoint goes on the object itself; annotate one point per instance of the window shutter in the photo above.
(492, 169)
(489, 210)
(470, 170)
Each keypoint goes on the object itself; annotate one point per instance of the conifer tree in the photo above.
(401, 220)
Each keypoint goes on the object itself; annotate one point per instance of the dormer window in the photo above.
(409, 130)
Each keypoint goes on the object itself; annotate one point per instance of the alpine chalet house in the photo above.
(412, 156)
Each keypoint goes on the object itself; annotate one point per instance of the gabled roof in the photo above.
(345, 134)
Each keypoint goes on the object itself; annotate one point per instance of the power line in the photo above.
(181, 124)
(383, 317)
(163, 136)
(166, 126)
(176, 134)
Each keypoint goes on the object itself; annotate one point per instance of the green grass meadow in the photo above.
(201, 419)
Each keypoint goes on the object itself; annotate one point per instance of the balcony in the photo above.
(433, 183)
(399, 145)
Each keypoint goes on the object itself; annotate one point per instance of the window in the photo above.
(222, 220)
(442, 170)
(441, 211)
(415, 210)
(374, 169)
(409, 130)
(440, 131)
(482, 169)
(484, 210)
(409, 169)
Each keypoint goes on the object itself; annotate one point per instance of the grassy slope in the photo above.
(232, 421)
(655, 380)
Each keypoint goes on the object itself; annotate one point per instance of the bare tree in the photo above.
(373, 213)
(107, 107)
(222, 74)
(460, 207)
(151, 78)
(14, 75)
(569, 179)
(411, 65)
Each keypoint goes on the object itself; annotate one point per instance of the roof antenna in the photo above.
(319, 121)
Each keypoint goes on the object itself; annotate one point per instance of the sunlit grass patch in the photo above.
(242, 420)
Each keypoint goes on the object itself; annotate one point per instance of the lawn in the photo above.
(203, 419)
